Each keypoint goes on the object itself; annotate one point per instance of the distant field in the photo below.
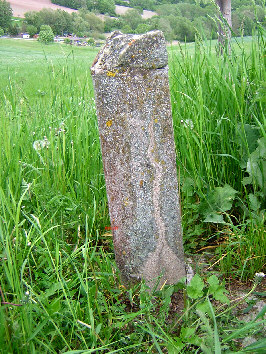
(23, 59)
(19, 8)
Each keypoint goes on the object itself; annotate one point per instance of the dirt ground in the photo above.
(121, 10)
(19, 8)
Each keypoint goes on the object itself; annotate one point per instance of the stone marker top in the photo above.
(147, 51)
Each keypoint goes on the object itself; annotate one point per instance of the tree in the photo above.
(225, 30)
(13, 29)
(32, 30)
(5, 14)
(225, 24)
(102, 6)
(132, 18)
(165, 26)
(1, 32)
(33, 18)
(142, 28)
(46, 34)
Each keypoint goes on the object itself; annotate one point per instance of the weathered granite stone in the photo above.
(130, 76)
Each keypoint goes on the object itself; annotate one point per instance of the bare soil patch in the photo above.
(121, 10)
(19, 7)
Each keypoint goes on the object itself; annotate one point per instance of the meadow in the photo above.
(59, 287)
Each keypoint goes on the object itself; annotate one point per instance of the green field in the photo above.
(60, 290)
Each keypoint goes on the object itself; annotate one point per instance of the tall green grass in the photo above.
(60, 290)
(219, 121)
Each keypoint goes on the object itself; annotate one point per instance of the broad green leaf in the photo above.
(204, 308)
(218, 201)
(176, 347)
(217, 290)
(195, 288)
(214, 218)
(254, 202)
(213, 282)
(187, 335)
(187, 332)
(256, 165)
(223, 197)
(247, 180)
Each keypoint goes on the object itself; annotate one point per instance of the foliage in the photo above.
(178, 20)
(46, 34)
(59, 21)
(32, 30)
(223, 179)
(91, 42)
(5, 14)
(132, 18)
(13, 29)
(1, 32)
(83, 23)
(101, 6)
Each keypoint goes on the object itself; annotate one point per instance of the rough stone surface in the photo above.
(130, 76)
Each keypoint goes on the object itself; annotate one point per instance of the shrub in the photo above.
(46, 34)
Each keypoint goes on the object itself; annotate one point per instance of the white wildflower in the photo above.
(41, 144)
(259, 275)
(187, 123)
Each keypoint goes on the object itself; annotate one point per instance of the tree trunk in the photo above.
(224, 31)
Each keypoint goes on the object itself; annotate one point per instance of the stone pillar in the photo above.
(130, 76)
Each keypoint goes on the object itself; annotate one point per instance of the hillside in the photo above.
(19, 8)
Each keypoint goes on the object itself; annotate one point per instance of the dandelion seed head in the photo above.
(41, 144)
(259, 275)
(188, 123)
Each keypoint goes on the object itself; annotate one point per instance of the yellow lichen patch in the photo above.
(112, 74)
(123, 252)
(155, 120)
(109, 123)
(126, 201)
(141, 183)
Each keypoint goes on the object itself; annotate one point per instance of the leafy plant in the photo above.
(46, 34)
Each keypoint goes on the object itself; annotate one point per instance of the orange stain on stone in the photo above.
(112, 74)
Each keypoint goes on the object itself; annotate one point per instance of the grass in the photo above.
(60, 290)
